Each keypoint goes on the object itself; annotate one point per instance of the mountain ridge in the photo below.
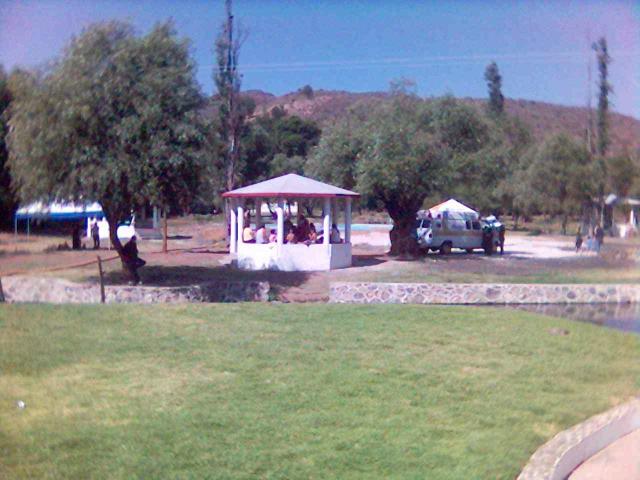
(543, 118)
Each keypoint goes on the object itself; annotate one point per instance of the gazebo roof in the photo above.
(290, 186)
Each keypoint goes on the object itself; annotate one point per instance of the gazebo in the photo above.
(283, 256)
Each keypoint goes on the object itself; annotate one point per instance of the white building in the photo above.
(278, 255)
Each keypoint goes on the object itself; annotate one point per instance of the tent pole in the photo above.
(15, 226)
(28, 226)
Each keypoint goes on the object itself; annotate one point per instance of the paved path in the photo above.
(619, 461)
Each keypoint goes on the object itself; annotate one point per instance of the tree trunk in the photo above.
(402, 240)
(128, 265)
(565, 220)
(165, 230)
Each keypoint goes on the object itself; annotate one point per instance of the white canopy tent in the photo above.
(455, 208)
(288, 256)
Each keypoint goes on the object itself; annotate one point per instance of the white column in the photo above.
(233, 219)
(280, 227)
(240, 222)
(258, 213)
(156, 217)
(347, 220)
(326, 226)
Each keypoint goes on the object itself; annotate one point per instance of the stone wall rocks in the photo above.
(18, 289)
(480, 293)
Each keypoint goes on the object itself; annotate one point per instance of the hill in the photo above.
(544, 119)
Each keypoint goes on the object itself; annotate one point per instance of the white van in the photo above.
(451, 230)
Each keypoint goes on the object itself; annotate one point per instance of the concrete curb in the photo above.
(557, 458)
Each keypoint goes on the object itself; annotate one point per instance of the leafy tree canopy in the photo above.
(334, 159)
(400, 165)
(7, 196)
(115, 120)
(276, 135)
(564, 176)
(406, 150)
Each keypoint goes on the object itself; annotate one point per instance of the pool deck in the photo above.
(620, 461)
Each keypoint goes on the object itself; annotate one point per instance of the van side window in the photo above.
(476, 225)
(468, 224)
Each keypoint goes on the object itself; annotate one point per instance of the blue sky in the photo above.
(541, 48)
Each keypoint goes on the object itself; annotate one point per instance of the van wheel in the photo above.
(445, 248)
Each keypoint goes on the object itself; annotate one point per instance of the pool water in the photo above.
(624, 316)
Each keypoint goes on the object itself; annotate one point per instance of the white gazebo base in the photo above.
(293, 257)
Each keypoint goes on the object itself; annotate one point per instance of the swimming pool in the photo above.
(619, 316)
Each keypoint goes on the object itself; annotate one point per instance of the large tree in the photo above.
(116, 120)
(494, 84)
(400, 165)
(7, 195)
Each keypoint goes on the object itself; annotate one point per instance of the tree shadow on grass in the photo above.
(185, 275)
(366, 260)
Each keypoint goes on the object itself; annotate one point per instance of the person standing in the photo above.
(578, 240)
(598, 233)
(76, 242)
(134, 262)
(501, 233)
(95, 234)
(487, 239)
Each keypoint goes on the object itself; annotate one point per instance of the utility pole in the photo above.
(231, 74)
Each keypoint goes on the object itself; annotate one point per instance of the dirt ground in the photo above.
(197, 253)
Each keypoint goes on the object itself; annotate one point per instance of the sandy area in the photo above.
(198, 253)
(517, 245)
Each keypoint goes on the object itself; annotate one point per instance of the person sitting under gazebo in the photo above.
(247, 234)
(261, 235)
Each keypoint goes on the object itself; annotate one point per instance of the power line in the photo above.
(454, 60)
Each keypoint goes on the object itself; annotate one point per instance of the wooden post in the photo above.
(164, 231)
(101, 273)
(2, 300)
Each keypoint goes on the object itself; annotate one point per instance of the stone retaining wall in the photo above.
(19, 289)
(480, 293)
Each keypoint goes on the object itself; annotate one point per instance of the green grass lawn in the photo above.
(295, 391)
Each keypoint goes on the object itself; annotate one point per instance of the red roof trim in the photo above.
(288, 195)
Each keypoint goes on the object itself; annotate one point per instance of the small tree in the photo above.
(115, 121)
(604, 89)
(563, 177)
(494, 83)
(622, 173)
